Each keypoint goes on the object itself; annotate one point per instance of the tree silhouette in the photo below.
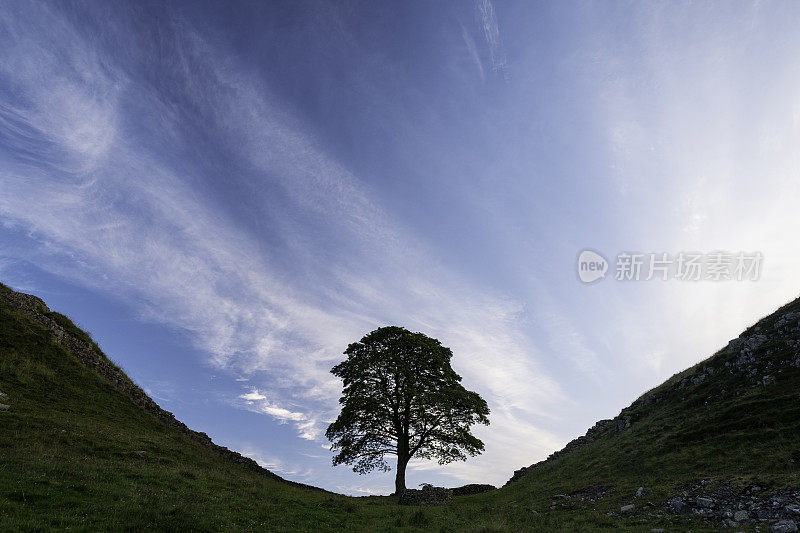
(401, 397)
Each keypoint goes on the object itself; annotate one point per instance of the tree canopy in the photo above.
(401, 397)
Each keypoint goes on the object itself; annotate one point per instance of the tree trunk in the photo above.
(400, 477)
(403, 449)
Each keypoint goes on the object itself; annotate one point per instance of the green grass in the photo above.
(77, 454)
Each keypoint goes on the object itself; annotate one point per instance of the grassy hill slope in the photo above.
(733, 420)
(79, 450)
(83, 448)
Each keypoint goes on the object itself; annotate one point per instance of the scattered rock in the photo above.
(3, 395)
(763, 514)
(677, 506)
(723, 503)
(705, 502)
(784, 526)
(586, 495)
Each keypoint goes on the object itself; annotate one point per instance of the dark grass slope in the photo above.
(77, 452)
(64, 333)
(80, 451)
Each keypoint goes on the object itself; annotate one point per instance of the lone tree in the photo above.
(402, 397)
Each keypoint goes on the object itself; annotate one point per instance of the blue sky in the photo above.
(227, 194)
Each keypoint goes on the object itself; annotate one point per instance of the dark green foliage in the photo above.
(402, 397)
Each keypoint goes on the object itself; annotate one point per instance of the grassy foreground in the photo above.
(76, 453)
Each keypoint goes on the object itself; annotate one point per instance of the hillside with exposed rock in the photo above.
(83, 447)
(719, 441)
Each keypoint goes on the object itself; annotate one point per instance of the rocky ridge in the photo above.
(602, 427)
(756, 358)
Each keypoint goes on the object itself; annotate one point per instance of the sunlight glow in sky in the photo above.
(226, 194)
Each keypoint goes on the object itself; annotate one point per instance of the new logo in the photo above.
(591, 266)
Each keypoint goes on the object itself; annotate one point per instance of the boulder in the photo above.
(678, 507)
(627, 508)
(784, 526)
(4, 407)
(764, 513)
(642, 492)
(708, 503)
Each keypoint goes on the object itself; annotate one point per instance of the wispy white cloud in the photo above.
(307, 427)
(253, 396)
(120, 217)
(67, 98)
(487, 19)
(472, 48)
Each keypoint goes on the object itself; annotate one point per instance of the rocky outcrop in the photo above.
(756, 359)
(91, 356)
(618, 424)
(473, 488)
